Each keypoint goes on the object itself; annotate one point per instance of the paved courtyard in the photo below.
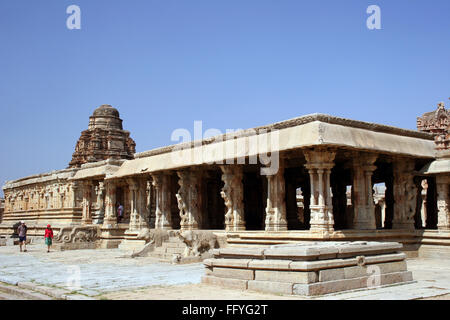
(111, 274)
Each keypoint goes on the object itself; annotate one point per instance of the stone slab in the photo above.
(232, 263)
(311, 251)
(270, 286)
(233, 273)
(286, 276)
(361, 271)
(339, 263)
(225, 283)
(321, 288)
(269, 264)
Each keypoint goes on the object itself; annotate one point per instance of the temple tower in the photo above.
(104, 139)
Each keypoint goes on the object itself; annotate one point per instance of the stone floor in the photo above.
(110, 274)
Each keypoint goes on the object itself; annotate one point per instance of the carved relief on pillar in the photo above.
(110, 204)
(100, 201)
(276, 204)
(133, 189)
(232, 193)
(189, 198)
(320, 161)
(74, 194)
(151, 203)
(443, 202)
(87, 188)
(423, 203)
(405, 194)
(362, 191)
(143, 210)
(183, 198)
(162, 188)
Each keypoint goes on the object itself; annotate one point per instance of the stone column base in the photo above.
(403, 225)
(277, 227)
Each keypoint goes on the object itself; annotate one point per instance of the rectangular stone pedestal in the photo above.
(308, 269)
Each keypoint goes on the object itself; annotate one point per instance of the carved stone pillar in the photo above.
(162, 188)
(405, 194)
(362, 189)
(134, 218)
(75, 186)
(87, 193)
(276, 203)
(423, 206)
(233, 193)
(443, 202)
(143, 209)
(320, 161)
(189, 198)
(110, 204)
(100, 213)
(151, 204)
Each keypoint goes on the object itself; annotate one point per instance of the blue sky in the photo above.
(232, 64)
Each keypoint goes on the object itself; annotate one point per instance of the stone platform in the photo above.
(308, 269)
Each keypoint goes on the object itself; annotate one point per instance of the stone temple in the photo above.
(335, 180)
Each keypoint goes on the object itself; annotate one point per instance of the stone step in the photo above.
(6, 296)
(159, 250)
(174, 240)
(174, 245)
(174, 250)
(162, 256)
(22, 293)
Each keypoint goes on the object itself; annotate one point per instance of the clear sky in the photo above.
(230, 63)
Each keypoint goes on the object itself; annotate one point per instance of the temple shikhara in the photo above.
(334, 180)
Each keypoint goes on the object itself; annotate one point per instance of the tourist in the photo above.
(22, 231)
(48, 237)
(119, 213)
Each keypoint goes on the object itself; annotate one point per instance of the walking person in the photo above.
(22, 231)
(119, 213)
(48, 237)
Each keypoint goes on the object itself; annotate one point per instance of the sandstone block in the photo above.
(270, 286)
(236, 263)
(321, 264)
(331, 274)
(270, 264)
(373, 269)
(239, 252)
(225, 283)
(286, 276)
(233, 273)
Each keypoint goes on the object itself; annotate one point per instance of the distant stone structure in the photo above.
(436, 122)
(104, 139)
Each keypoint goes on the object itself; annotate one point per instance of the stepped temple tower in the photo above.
(104, 139)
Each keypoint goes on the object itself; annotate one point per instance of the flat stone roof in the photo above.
(307, 131)
(325, 118)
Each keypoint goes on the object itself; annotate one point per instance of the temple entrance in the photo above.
(383, 179)
(297, 198)
(175, 211)
(341, 182)
(431, 204)
(120, 200)
(255, 198)
(213, 203)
